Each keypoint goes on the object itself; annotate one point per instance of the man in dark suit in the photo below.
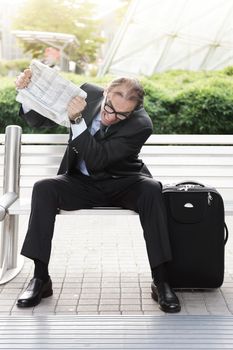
(100, 168)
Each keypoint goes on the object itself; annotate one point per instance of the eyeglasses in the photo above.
(118, 115)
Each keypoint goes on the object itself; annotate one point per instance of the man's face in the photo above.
(115, 107)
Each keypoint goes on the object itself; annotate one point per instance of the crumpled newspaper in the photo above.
(48, 93)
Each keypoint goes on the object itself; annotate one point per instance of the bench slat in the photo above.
(226, 193)
(160, 150)
(156, 162)
(22, 206)
(188, 160)
(192, 150)
(191, 139)
(225, 183)
(198, 171)
(49, 160)
(213, 171)
(153, 139)
(42, 149)
(188, 171)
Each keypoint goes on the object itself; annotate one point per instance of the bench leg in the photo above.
(11, 262)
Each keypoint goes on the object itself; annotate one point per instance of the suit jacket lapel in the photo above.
(91, 110)
(114, 128)
(110, 130)
(100, 134)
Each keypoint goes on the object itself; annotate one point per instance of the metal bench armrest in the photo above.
(5, 202)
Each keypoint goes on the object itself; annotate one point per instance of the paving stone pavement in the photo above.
(99, 266)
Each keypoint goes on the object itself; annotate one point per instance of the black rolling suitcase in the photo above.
(197, 234)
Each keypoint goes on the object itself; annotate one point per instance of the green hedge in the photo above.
(182, 102)
(178, 102)
(13, 66)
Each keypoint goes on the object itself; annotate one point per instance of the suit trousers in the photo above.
(71, 192)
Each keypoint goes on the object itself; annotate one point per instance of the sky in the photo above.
(103, 6)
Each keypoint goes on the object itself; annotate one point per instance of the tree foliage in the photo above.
(62, 16)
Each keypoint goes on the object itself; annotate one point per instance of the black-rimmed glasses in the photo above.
(119, 115)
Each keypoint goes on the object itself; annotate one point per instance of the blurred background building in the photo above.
(139, 36)
(162, 35)
(9, 50)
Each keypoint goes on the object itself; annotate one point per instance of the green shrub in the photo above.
(228, 70)
(9, 111)
(190, 102)
(13, 67)
(206, 109)
(3, 69)
(177, 102)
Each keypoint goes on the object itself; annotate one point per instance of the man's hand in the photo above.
(75, 107)
(23, 79)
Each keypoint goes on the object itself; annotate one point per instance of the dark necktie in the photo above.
(102, 129)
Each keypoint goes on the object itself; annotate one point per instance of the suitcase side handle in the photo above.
(190, 183)
(226, 233)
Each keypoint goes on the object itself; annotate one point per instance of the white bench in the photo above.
(27, 158)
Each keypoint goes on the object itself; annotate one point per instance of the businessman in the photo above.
(100, 168)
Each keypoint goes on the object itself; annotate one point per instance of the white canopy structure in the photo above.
(160, 35)
(59, 41)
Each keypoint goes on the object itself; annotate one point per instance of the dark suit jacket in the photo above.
(114, 153)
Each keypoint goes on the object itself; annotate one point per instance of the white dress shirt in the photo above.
(77, 130)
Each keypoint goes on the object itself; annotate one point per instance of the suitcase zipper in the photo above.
(210, 198)
(185, 189)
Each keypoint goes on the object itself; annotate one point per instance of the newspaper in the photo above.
(48, 93)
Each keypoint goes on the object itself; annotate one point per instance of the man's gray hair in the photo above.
(135, 89)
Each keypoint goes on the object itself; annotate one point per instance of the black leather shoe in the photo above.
(36, 290)
(165, 297)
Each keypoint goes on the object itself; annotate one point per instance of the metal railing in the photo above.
(10, 263)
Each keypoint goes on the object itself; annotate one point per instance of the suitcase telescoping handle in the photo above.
(190, 183)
